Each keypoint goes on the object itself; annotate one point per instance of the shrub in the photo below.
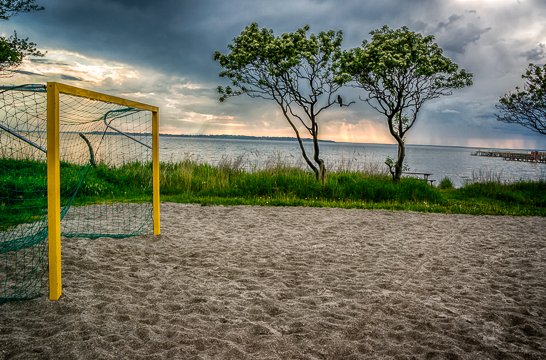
(446, 183)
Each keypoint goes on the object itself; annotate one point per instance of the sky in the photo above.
(161, 53)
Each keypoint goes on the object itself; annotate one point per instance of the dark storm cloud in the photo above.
(25, 72)
(418, 26)
(68, 77)
(167, 34)
(181, 36)
(172, 42)
(452, 19)
(458, 37)
(47, 62)
(535, 54)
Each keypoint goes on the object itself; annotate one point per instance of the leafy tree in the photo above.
(293, 70)
(9, 8)
(13, 49)
(401, 70)
(526, 107)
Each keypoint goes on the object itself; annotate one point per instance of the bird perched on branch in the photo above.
(339, 101)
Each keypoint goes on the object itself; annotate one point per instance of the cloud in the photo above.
(449, 111)
(25, 72)
(47, 62)
(160, 53)
(535, 54)
(418, 26)
(456, 39)
(452, 19)
(68, 77)
(68, 65)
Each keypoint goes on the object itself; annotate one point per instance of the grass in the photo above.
(277, 183)
(23, 187)
(282, 185)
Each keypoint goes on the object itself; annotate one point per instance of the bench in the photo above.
(424, 176)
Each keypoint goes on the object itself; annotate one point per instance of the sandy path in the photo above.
(295, 283)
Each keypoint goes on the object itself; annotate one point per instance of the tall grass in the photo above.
(283, 181)
(279, 178)
(493, 186)
(348, 184)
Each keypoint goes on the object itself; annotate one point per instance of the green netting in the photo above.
(106, 179)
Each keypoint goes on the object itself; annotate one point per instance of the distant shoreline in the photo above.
(287, 138)
(244, 137)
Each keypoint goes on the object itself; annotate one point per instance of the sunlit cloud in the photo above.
(364, 131)
(138, 95)
(190, 86)
(74, 66)
(178, 99)
(216, 117)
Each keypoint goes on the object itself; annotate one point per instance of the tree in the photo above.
(401, 70)
(12, 52)
(9, 8)
(13, 49)
(526, 107)
(291, 69)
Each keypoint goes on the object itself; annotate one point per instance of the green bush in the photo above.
(446, 183)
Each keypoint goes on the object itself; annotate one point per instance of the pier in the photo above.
(528, 156)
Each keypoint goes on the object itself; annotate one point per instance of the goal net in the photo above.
(105, 186)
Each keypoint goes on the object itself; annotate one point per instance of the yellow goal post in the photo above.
(54, 89)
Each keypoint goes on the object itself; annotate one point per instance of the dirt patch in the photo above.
(295, 283)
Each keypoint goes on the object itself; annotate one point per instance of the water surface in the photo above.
(453, 162)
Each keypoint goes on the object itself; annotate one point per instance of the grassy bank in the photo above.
(23, 187)
(280, 184)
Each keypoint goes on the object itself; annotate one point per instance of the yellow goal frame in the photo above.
(54, 89)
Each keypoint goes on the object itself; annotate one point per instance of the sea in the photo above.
(456, 163)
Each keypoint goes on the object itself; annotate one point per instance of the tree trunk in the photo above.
(399, 136)
(304, 154)
(322, 169)
(307, 160)
(400, 162)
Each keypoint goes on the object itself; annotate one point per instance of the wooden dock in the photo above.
(527, 156)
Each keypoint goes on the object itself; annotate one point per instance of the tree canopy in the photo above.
(13, 49)
(293, 70)
(526, 107)
(9, 8)
(401, 70)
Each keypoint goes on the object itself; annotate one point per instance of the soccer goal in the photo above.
(73, 163)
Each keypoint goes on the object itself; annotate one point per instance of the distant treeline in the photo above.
(234, 137)
(245, 137)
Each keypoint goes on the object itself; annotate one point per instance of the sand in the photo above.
(248, 282)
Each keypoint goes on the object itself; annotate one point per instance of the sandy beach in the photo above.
(249, 282)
